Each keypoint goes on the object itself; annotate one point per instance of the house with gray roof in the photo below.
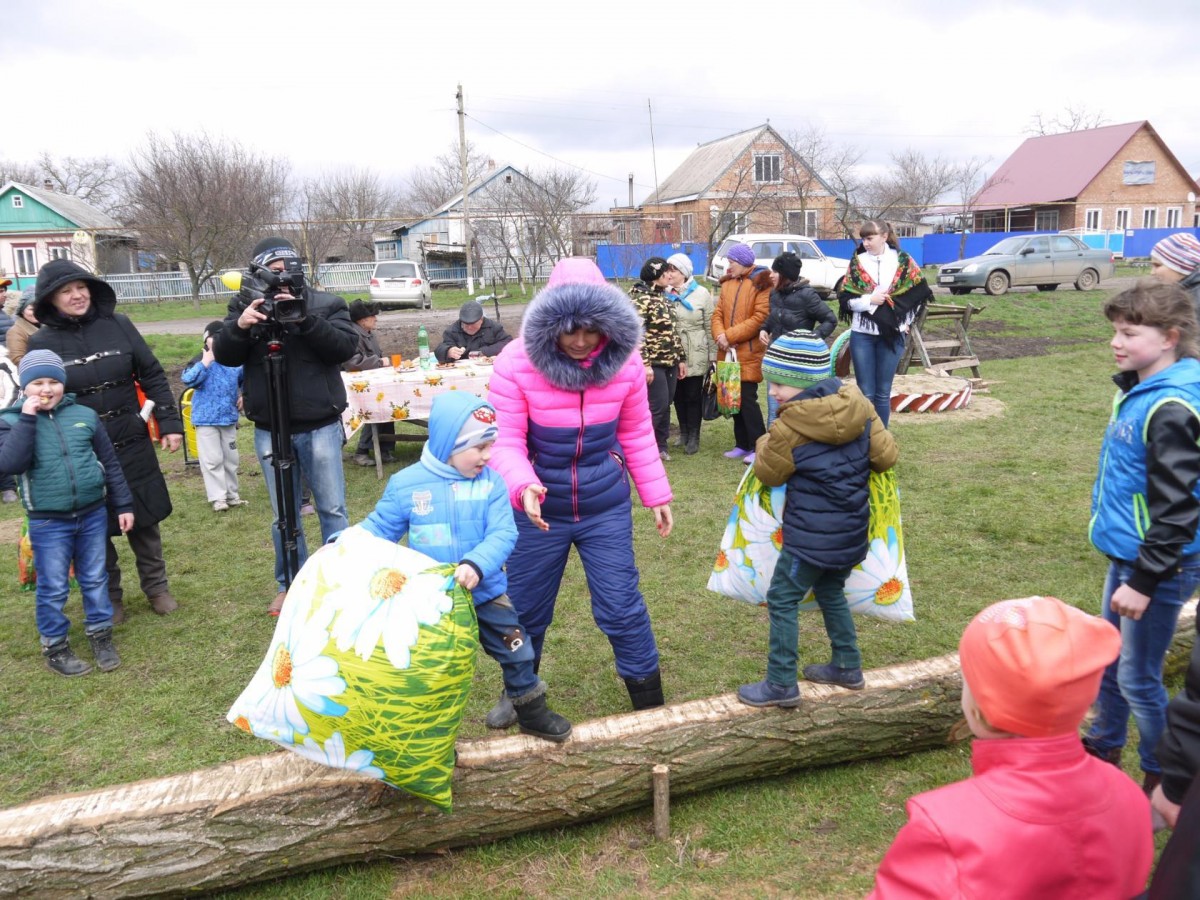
(38, 224)
(1113, 178)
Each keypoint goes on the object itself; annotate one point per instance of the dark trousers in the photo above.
(365, 443)
(146, 544)
(506, 642)
(748, 425)
(660, 392)
(688, 405)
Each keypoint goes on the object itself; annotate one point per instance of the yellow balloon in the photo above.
(232, 280)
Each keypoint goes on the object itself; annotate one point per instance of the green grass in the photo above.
(993, 508)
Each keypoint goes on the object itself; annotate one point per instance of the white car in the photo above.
(400, 282)
(824, 272)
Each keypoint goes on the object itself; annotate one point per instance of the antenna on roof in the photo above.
(653, 155)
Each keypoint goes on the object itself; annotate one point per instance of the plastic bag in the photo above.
(729, 385)
(26, 571)
(708, 395)
(370, 666)
(878, 586)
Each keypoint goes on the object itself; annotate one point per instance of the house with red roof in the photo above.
(1113, 178)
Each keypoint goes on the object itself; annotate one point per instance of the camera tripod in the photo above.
(283, 455)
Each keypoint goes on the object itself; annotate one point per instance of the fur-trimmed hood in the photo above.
(54, 275)
(759, 275)
(555, 311)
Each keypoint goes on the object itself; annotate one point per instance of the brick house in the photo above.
(1113, 178)
(750, 181)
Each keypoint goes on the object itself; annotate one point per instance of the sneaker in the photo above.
(163, 603)
(767, 693)
(735, 453)
(236, 501)
(308, 509)
(220, 506)
(8, 496)
(104, 651)
(664, 455)
(61, 658)
(361, 459)
(828, 673)
(276, 605)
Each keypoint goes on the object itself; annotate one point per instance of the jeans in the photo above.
(506, 642)
(748, 424)
(875, 359)
(772, 411)
(319, 457)
(1134, 682)
(660, 392)
(56, 544)
(789, 584)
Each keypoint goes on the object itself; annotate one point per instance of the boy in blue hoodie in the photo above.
(456, 510)
(69, 478)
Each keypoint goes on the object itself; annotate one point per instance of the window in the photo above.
(1045, 220)
(804, 249)
(1064, 244)
(26, 260)
(903, 231)
(802, 222)
(1091, 220)
(687, 227)
(1150, 217)
(766, 168)
(1122, 221)
(60, 251)
(731, 223)
(621, 233)
(1174, 216)
(18, 201)
(1040, 245)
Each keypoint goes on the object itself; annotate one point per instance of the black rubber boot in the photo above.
(535, 716)
(61, 658)
(693, 439)
(645, 693)
(104, 651)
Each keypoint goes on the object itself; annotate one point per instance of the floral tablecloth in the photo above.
(390, 395)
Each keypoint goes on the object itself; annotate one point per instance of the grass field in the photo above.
(994, 507)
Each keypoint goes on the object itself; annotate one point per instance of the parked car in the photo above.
(400, 282)
(1044, 260)
(824, 272)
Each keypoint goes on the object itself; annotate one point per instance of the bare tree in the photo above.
(433, 185)
(909, 188)
(350, 203)
(815, 153)
(21, 172)
(1074, 117)
(202, 202)
(96, 180)
(966, 185)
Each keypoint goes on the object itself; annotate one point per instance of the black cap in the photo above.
(470, 312)
(270, 249)
(361, 310)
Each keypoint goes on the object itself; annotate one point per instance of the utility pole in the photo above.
(462, 158)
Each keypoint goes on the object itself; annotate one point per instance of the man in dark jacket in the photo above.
(471, 335)
(314, 349)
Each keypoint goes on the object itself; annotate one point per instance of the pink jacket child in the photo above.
(1039, 817)
(570, 400)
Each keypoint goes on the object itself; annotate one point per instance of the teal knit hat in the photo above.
(798, 358)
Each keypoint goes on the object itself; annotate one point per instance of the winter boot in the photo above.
(693, 440)
(503, 714)
(118, 612)
(828, 673)
(163, 603)
(103, 650)
(645, 693)
(538, 719)
(61, 658)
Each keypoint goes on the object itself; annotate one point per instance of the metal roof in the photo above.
(1057, 167)
(82, 213)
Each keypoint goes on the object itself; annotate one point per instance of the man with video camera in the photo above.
(275, 315)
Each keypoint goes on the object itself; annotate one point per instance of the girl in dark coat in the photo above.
(106, 359)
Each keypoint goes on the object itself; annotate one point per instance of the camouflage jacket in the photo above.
(661, 345)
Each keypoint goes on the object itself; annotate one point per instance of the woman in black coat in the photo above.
(106, 359)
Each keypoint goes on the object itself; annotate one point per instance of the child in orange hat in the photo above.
(1039, 817)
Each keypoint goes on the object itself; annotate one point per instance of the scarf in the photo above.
(682, 297)
(908, 292)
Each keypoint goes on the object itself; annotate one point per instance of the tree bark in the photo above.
(272, 815)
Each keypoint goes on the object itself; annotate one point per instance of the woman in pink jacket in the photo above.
(570, 400)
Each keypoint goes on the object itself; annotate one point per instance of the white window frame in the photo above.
(739, 222)
(1121, 218)
(18, 202)
(621, 233)
(809, 226)
(687, 226)
(1093, 219)
(1150, 217)
(58, 251)
(777, 168)
(25, 259)
(1174, 217)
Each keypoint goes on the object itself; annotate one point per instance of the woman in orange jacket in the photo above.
(742, 308)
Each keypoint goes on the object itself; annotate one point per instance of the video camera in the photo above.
(259, 281)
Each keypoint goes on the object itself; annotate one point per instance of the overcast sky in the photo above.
(357, 83)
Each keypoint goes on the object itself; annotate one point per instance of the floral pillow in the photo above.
(370, 666)
(753, 537)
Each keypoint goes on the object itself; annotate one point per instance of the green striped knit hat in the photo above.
(798, 358)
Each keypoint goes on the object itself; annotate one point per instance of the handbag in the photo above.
(729, 385)
(708, 394)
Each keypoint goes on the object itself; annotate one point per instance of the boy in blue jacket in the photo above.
(456, 510)
(66, 465)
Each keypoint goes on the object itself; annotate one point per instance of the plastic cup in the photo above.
(397, 359)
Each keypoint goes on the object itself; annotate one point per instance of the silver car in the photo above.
(1043, 260)
(400, 282)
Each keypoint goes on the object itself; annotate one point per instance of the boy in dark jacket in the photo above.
(824, 445)
(66, 465)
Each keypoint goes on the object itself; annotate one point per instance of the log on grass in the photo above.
(278, 814)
